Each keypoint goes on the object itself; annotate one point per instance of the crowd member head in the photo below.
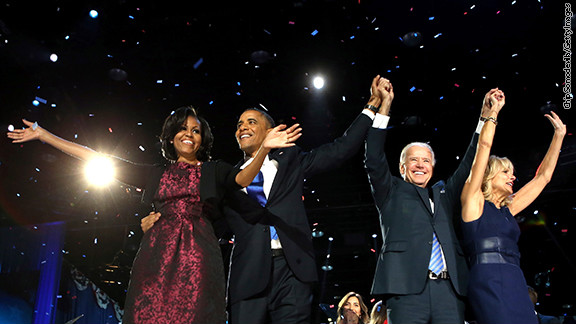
(378, 314)
(498, 181)
(533, 295)
(355, 303)
(186, 136)
(417, 163)
(251, 129)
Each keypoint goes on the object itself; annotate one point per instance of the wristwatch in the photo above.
(373, 108)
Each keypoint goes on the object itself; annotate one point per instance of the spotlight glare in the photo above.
(53, 57)
(318, 82)
(100, 171)
(93, 13)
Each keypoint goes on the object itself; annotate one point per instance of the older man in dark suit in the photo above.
(421, 268)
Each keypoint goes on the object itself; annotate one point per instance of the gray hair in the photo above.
(421, 144)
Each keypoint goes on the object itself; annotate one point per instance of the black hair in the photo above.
(172, 126)
(269, 119)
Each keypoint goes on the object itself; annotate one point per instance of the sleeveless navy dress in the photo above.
(497, 290)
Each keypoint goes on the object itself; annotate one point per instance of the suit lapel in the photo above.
(423, 193)
(280, 157)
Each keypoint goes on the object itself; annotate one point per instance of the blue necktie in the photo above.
(436, 263)
(255, 191)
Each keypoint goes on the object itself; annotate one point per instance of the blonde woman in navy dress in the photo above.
(497, 290)
(178, 273)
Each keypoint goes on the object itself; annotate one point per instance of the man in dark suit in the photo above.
(414, 217)
(271, 276)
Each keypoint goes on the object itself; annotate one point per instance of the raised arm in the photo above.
(472, 198)
(35, 132)
(532, 189)
(375, 161)
(277, 137)
(332, 155)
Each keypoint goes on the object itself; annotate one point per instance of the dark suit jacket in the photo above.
(407, 223)
(251, 256)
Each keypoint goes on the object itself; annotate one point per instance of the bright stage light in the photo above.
(93, 13)
(99, 171)
(318, 82)
(53, 57)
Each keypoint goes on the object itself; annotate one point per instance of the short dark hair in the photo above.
(269, 119)
(172, 126)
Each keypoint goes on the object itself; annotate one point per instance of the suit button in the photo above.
(430, 242)
(265, 229)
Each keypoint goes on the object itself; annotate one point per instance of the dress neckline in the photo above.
(186, 164)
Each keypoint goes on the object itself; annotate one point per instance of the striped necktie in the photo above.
(436, 262)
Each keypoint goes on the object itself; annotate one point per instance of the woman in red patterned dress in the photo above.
(178, 274)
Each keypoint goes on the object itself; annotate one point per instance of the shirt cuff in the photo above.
(479, 127)
(368, 113)
(380, 121)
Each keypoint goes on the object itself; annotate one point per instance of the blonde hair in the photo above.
(378, 314)
(363, 309)
(495, 165)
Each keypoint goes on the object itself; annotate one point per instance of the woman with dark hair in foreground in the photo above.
(178, 273)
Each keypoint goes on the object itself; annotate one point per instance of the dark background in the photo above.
(224, 57)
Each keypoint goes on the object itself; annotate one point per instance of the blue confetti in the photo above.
(41, 100)
(198, 63)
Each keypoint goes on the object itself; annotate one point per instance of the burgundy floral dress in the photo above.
(178, 274)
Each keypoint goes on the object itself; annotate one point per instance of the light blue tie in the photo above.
(436, 263)
(255, 191)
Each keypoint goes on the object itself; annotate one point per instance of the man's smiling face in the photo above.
(418, 166)
(251, 131)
